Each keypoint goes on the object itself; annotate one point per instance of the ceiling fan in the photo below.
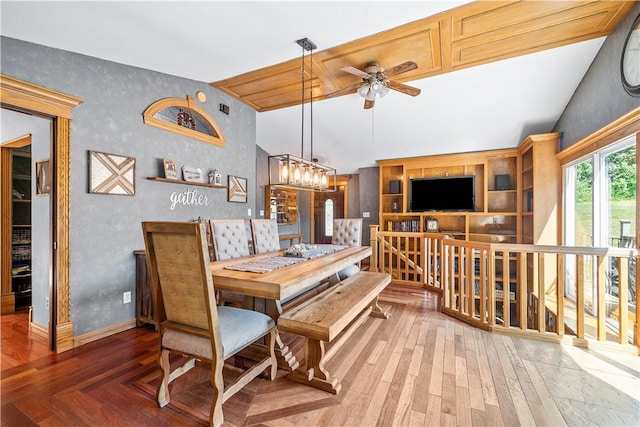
(375, 81)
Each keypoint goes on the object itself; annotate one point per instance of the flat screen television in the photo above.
(448, 193)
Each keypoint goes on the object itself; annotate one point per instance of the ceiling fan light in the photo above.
(371, 95)
(383, 91)
(375, 87)
(363, 90)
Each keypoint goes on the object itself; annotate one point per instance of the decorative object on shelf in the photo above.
(215, 177)
(503, 182)
(297, 172)
(431, 224)
(630, 60)
(191, 174)
(237, 191)
(394, 186)
(395, 206)
(185, 118)
(43, 180)
(170, 171)
(111, 174)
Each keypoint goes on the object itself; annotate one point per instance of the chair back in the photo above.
(347, 232)
(181, 282)
(265, 235)
(229, 238)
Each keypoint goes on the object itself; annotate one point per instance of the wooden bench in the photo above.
(331, 317)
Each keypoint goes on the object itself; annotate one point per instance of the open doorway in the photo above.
(55, 107)
(25, 234)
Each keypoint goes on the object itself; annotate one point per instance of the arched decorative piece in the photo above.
(183, 117)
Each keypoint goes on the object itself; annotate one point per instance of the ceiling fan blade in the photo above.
(409, 90)
(368, 104)
(355, 71)
(346, 90)
(401, 68)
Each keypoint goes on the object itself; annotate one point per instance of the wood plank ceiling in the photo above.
(469, 35)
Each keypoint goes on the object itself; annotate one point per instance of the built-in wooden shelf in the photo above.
(177, 181)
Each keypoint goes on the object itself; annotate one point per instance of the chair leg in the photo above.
(273, 371)
(216, 417)
(162, 394)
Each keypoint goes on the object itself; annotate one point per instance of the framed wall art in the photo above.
(111, 174)
(43, 177)
(237, 189)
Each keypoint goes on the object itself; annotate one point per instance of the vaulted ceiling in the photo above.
(469, 35)
(490, 72)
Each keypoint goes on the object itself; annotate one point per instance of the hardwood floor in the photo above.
(419, 367)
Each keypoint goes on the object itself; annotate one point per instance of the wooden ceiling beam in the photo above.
(470, 35)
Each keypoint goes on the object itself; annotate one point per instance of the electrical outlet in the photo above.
(248, 211)
(126, 297)
(47, 302)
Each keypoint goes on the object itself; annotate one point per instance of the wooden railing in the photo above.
(554, 292)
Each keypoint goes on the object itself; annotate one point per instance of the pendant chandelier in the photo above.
(288, 170)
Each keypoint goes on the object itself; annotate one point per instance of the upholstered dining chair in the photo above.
(230, 240)
(265, 235)
(347, 232)
(190, 323)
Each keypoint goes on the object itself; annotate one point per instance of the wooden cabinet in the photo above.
(21, 227)
(494, 218)
(281, 204)
(540, 170)
(145, 312)
(540, 199)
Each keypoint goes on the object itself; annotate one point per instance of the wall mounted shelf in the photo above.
(175, 181)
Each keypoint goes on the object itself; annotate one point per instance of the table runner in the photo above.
(265, 265)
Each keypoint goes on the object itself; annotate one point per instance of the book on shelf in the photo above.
(404, 226)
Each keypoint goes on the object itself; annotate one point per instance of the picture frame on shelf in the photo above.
(43, 177)
(170, 171)
(111, 174)
(431, 224)
(237, 189)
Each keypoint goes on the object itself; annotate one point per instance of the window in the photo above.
(328, 218)
(600, 211)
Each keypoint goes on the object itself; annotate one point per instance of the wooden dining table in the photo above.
(269, 291)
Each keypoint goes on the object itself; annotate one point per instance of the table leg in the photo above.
(314, 372)
(286, 359)
(376, 311)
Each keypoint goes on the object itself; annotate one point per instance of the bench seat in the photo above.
(331, 317)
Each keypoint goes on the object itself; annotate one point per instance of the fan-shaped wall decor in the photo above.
(183, 117)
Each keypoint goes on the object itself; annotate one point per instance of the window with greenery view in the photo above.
(600, 211)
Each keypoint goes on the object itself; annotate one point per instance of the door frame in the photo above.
(32, 99)
(341, 180)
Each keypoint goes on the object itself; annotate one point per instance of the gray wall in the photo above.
(369, 182)
(600, 98)
(105, 229)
